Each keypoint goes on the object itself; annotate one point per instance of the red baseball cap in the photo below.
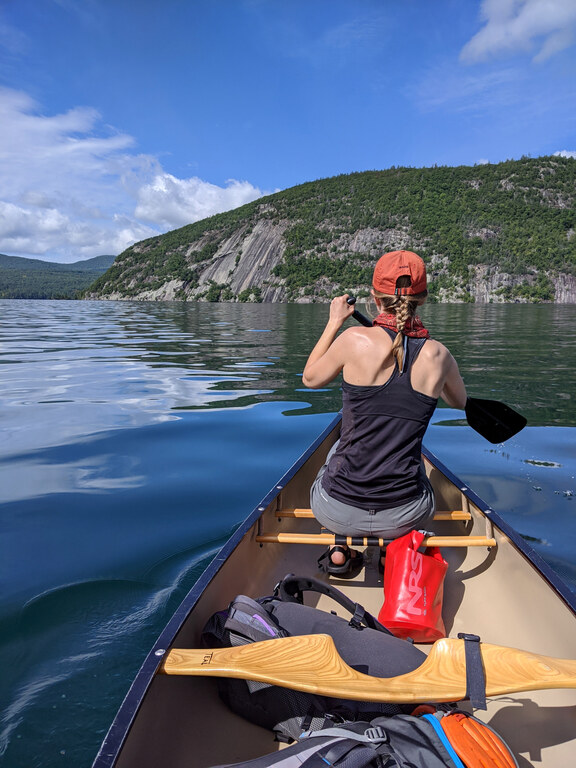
(395, 264)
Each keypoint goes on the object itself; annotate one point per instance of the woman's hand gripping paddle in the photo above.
(312, 664)
(492, 419)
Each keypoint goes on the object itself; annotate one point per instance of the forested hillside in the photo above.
(35, 279)
(502, 232)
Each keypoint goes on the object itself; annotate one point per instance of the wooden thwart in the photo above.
(307, 514)
(327, 538)
(312, 664)
(330, 539)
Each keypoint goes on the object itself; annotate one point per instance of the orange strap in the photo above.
(476, 744)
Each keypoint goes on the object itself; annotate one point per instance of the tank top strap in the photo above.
(412, 347)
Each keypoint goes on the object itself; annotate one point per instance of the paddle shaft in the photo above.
(358, 316)
(312, 664)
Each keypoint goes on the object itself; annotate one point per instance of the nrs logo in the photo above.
(418, 593)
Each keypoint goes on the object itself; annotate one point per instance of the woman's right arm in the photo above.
(327, 358)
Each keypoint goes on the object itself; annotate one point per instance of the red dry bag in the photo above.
(413, 589)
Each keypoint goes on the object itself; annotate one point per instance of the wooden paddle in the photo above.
(311, 663)
(492, 419)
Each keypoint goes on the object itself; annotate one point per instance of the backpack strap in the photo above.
(291, 587)
(475, 679)
(356, 746)
(354, 756)
(371, 735)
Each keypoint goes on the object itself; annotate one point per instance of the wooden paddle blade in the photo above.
(493, 420)
(312, 664)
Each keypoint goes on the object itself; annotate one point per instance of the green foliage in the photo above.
(518, 217)
(301, 271)
(22, 278)
(253, 295)
(218, 292)
(540, 290)
(204, 254)
(303, 236)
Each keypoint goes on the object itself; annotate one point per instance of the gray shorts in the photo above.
(346, 520)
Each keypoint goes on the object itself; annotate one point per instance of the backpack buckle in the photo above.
(375, 734)
(358, 618)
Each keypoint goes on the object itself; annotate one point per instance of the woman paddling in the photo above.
(373, 482)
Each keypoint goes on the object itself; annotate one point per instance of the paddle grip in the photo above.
(358, 316)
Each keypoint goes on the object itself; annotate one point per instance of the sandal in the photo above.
(353, 562)
(381, 557)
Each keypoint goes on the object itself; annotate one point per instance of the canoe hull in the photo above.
(505, 594)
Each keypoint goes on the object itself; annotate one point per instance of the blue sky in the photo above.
(120, 119)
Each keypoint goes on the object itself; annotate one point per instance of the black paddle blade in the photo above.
(493, 420)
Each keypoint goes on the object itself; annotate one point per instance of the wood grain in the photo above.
(311, 663)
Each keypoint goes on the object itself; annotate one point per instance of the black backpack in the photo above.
(386, 742)
(401, 741)
(362, 642)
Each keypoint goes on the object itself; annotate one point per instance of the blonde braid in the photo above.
(404, 306)
(405, 309)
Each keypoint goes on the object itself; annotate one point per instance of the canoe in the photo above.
(497, 587)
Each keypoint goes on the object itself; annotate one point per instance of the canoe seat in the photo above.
(326, 538)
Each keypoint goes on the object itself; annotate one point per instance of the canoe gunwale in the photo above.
(546, 571)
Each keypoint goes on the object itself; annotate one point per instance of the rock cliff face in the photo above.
(246, 261)
(243, 265)
(494, 286)
(503, 233)
(564, 289)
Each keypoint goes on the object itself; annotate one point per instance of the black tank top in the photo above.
(377, 462)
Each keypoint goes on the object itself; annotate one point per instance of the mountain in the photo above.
(35, 279)
(493, 232)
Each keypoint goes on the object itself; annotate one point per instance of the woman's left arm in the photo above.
(327, 358)
(454, 389)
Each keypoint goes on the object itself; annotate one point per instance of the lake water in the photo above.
(135, 437)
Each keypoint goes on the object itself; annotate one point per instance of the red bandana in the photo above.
(413, 327)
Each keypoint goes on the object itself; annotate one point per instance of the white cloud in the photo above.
(517, 26)
(48, 232)
(171, 202)
(73, 189)
(566, 153)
